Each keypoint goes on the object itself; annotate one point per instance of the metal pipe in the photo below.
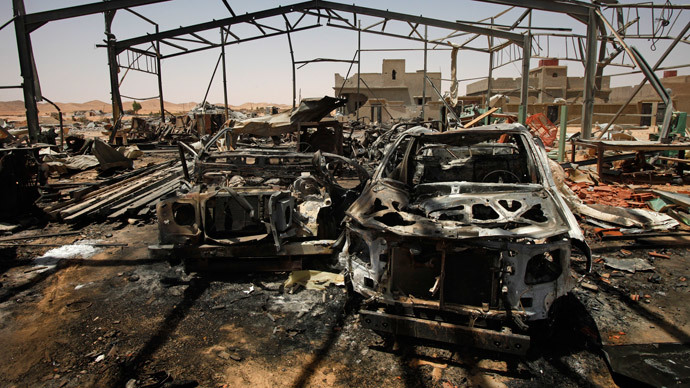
(62, 133)
(7, 23)
(203, 103)
(448, 108)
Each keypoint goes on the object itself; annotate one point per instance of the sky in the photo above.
(72, 69)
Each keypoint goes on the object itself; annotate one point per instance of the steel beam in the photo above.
(238, 41)
(317, 4)
(37, 19)
(502, 341)
(571, 7)
(518, 38)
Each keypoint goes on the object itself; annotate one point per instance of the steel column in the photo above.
(424, 84)
(115, 96)
(160, 78)
(28, 70)
(294, 71)
(489, 84)
(590, 74)
(359, 64)
(225, 76)
(524, 86)
(644, 80)
(563, 133)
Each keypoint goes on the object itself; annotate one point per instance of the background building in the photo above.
(391, 94)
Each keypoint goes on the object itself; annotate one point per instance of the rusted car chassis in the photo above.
(461, 237)
(256, 209)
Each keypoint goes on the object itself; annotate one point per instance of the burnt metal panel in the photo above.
(505, 341)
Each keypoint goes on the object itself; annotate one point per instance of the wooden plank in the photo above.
(136, 203)
(480, 117)
(52, 210)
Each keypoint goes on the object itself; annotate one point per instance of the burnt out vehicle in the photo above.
(256, 209)
(461, 237)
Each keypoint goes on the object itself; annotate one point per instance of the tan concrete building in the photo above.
(647, 101)
(547, 83)
(392, 94)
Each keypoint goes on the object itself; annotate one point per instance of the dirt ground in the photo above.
(120, 315)
(117, 317)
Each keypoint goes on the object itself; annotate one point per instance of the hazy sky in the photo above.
(72, 69)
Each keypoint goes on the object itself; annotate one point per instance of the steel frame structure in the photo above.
(285, 20)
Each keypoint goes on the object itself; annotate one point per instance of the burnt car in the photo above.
(256, 209)
(461, 237)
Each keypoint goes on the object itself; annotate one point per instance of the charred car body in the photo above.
(270, 206)
(461, 237)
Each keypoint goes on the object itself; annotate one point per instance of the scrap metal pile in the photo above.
(129, 195)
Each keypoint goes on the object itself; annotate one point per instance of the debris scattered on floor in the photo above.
(314, 280)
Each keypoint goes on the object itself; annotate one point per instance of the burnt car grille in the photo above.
(466, 276)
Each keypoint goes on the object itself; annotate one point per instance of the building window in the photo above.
(394, 73)
(418, 100)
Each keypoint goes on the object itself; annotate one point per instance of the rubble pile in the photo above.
(612, 195)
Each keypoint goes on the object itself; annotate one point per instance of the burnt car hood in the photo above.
(462, 210)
